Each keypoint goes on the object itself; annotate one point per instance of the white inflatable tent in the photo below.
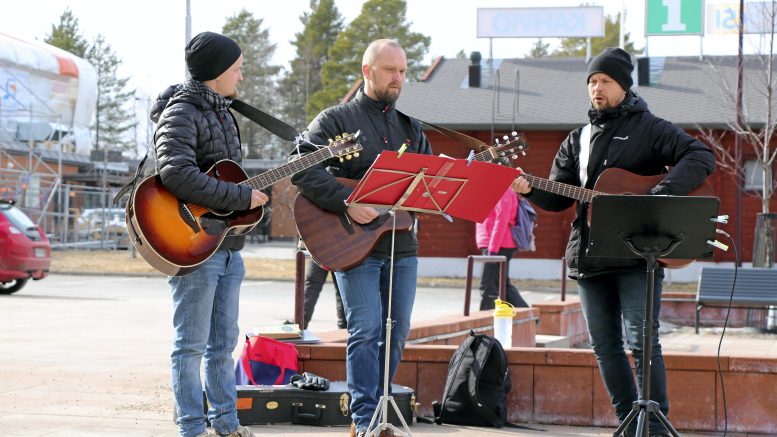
(46, 93)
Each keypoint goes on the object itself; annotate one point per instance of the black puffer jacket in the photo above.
(629, 137)
(190, 137)
(382, 128)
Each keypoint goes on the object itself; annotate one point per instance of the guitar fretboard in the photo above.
(308, 160)
(566, 190)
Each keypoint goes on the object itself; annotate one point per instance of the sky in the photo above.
(149, 35)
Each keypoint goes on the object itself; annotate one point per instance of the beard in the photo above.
(388, 95)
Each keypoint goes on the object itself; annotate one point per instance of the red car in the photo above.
(25, 252)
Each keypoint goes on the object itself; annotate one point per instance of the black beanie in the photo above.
(614, 62)
(209, 54)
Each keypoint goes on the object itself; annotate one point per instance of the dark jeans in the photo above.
(489, 283)
(610, 302)
(315, 277)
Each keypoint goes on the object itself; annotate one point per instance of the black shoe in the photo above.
(341, 324)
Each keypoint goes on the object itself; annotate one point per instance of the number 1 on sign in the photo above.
(673, 23)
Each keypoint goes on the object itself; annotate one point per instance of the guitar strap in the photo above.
(459, 137)
(267, 121)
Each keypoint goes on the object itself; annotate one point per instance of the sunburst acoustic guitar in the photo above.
(176, 237)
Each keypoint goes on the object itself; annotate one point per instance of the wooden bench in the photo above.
(755, 288)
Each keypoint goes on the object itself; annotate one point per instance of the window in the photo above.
(754, 175)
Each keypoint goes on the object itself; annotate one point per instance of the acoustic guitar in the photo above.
(176, 237)
(615, 181)
(338, 243)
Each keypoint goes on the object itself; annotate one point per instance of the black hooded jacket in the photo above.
(382, 128)
(191, 136)
(629, 137)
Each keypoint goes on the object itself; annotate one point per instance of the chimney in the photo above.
(474, 70)
(643, 71)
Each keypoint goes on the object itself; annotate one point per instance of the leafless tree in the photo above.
(760, 135)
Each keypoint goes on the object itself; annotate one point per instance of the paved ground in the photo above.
(89, 355)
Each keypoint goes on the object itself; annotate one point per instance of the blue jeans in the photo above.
(365, 297)
(205, 315)
(607, 299)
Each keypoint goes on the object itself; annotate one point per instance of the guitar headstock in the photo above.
(345, 146)
(512, 147)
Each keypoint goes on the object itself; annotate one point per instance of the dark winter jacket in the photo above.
(382, 128)
(629, 137)
(190, 137)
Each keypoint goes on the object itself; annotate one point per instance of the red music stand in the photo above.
(431, 184)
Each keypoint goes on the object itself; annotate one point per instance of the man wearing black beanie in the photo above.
(624, 134)
(195, 129)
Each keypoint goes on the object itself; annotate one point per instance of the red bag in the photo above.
(265, 361)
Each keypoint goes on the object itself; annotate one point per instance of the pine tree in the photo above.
(113, 119)
(378, 19)
(321, 26)
(259, 85)
(612, 25)
(539, 50)
(67, 36)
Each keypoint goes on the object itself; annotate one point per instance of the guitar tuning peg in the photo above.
(514, 156)
(348, 157)
(341, 159)
(515, 134)
(506, 137)
(356, 154)
(338, 138)
(330, 141)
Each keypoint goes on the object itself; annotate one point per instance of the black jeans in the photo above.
(315, 277)
(611, 302)
(489, 283)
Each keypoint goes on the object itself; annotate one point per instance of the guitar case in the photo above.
(266, 404)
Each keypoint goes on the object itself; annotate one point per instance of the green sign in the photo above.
(674, 17)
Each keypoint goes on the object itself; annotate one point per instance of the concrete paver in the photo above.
(89, 355)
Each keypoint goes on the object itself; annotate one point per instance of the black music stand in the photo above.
(651, 227)
(429, 184)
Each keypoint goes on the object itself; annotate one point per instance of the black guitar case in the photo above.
(266, 404)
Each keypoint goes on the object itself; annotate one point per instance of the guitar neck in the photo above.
(270, 177)
(566, 190)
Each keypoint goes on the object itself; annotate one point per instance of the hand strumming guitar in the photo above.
(258, 199)
(362, 214)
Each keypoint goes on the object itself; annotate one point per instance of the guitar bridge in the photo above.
(187, 217)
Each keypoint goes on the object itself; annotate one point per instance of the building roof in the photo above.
(551, 93)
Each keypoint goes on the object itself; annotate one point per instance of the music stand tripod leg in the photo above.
(382, 410)
(644, 406)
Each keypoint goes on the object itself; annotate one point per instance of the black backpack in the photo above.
(477, 384)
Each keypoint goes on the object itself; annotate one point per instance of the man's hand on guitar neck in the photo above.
(520, 185)
(258, 199)
(362, 214)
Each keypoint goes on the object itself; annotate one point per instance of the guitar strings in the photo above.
(196, 209)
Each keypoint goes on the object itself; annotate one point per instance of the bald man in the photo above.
(364, 288)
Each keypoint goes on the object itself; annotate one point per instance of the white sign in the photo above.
(723, 18)
(577, 22)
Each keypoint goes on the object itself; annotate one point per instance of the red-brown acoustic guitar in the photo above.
(176, 237)
(614, 181)
(338, 243)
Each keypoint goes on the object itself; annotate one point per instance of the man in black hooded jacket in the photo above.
(622, 134)
(364, 288)
(195, 129)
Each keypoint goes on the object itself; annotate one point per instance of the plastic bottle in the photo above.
(503, 322)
